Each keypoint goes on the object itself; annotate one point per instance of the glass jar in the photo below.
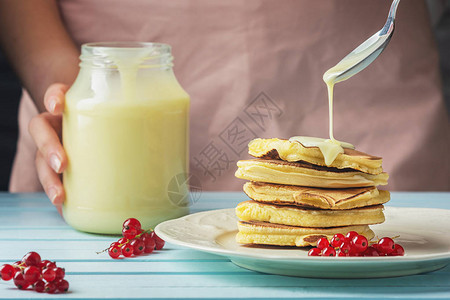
(125, 132)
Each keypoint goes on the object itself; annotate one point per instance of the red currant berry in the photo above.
(138, 246)
(129, 233)
(18, 263)
(375, 246)
(341, 253)
(360, 243)
(115, 244)
(346, 247)
(350, 235)
(314, 252)
(386, 245)
(39, 286)
(127, 250)
(337, 240)
(149, 244)
(49, 274)
(50, 265)
(32, 259)
(17, 269)
(132, 223)
(62, 286)
(398, 251)
(114, 252)
(328, 251)
(323, 243)
(31, 274)
(50, 287)
(20, 281)
(122, 241)
(159, 241)
(353, 251)
(146, 235)
(59, 273)
(370, 251)
(44, 263)
(7, 272)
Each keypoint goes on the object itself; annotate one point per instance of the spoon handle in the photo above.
(393, 9)
(389, 26)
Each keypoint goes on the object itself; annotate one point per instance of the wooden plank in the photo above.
(55, 234)
(420, 199)
(29, 218)
(86, 251)
(93, 245)
(214, 268)
(131, 267)
(229, 287)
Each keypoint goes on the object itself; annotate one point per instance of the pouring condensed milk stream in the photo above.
(350, 65)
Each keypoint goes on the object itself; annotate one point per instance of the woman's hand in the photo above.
(46, 129)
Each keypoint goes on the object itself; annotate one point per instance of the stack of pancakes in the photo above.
(297, 199)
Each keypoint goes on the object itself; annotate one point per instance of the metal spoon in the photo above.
(365, 53)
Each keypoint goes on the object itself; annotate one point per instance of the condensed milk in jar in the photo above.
(125, 132)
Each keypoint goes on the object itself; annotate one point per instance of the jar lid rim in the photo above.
(128, 45)
(103, 54)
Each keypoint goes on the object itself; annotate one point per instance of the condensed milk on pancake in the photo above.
(285, 150)
(331, 147)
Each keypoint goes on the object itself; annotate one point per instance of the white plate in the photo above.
(424, 233)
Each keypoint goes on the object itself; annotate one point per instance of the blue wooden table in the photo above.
(28, 222)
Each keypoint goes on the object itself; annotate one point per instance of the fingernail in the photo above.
(55, 162)
(52, 194)
(52, 104)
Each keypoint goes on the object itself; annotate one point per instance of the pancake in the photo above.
(305, 174)
(262, 233)
(315, 197)
(295, 216)
(295, 151)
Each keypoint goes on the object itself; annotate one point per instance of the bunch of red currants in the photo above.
(135, 241)
(41, 275)
(354, 244)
